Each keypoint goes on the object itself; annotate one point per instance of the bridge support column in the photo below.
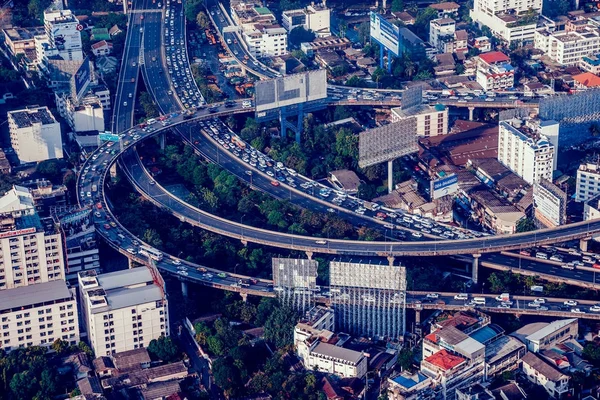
(475, 268)
(113, 170)
(583, 244)
(471, 111)
(417, 317)
(184, 288)
(244, 296)
(390, 176)
(162, 139)
(130, 263)
(391, 260)
(309, 255)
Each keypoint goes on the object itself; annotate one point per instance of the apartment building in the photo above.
(431, 120)
(494, 71)
(123, 310)
(590, 63)
(588, 181)
(541, 373)
(266, 40)
(528, 147)
(568, 48)
(22, 40)
(549, 204)
(63, 36)
(545, 335)
(37, 315)
(315, 18)
(83, 115)
(34, 134)
(30, 252)
(247, 13)
(440, 30)
(511, 20)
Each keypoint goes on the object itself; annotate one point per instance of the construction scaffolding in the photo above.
(576, 114)
(368, 299)
(295, 282)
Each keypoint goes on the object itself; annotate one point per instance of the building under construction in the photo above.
(369, 299)
(295, 282)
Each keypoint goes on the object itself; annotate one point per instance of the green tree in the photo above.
(279, 326)
(397, 5)
(163, 349)
(51, 169)
(152, 237)
(591, 352)
(23, 386)
(525, 225)
(192, 8)
(264, 310)
(147, 103)
(8, 75)
(227, 376)
(406, 359)
(364, 32)
(60, 346)
(300, 35)
(202, 20)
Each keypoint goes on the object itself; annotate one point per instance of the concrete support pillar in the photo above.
(417, 317)
(244, 296)
(130, 263)
(184, 288)
(391, 260)
(390, 176)
(162, 138)
(471, 111)
(309, 255)
(475, 268)
(113, 170)
(583, 244)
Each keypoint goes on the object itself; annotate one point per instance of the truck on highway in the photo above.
(479, 301)
(371, 206)
(503, 297)
(235, 139)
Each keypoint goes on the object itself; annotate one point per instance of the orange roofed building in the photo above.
(586, 80)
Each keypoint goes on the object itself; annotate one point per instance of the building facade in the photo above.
(266, 41)
(37, 315)
(440, 30)
(315, 18)
(64, 36)
(510, 20)
(525, 151)
(295, 282)
(35, 135)
(123, 310)
(588, 181)
(549, 204)
(431, 120)
(568, 48)
(494, 71)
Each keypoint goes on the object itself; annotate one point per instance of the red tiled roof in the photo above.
(494, 57)
(444, 360)
(450, 5)
(432, 337)
(587, 79)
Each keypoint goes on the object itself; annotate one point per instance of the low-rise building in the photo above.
(494, 71)
(495, 212)
(481, 43)
(406, 386)
(37, 315)
(266, 40)
(315, 18)
(543, 335)
(568, 48)
(345, 180)
(431, 120)
(540, 373)
(21, 40)
(586, 80)
(102, 48)
(35, 135)
(448, 9)
(123, 310)
(590, 63)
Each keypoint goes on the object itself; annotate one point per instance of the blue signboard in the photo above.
(385, 33)
(444, 186)
(109, 137)
(82, 78)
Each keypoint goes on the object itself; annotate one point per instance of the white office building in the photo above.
(588, 181)
(123, 310)
(29, 252)
(34, 134)
(509, 20)
(549, 204)
(568, 47)
(266, 41)
(63, 34)
(37, 315)
(524, 148)
(431, 120)
(315, 18)
(85, 115)
(440, 31)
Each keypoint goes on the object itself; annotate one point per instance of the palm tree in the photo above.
(410, 69)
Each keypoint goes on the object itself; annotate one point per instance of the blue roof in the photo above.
(487, 333)
(410, 381)
(593, 61)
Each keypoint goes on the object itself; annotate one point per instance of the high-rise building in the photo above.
(568, 48)
(524, 147)
(549, 204)
(37, 315)
(34, 134)
(30, 252)
(295, 282)
(123, 310)
(64, 35)
(315, 18)
(588, 181)
(368, 299)
(512, 20)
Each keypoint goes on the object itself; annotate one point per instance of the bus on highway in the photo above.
(150, 252)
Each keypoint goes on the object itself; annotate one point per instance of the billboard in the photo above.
(387, 142)
(81, 79)
(385, 33)
(412, 96)
(108, 137)
(290, 90)
(444, 186)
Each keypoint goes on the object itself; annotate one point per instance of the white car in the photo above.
(577, 311)
(595, 308)
(131, 250)
(571, 303)
(417, 234)
(176, 262)
(432, 295)
(533, 304)
(461, 296)
(182, 272)
(540, 300)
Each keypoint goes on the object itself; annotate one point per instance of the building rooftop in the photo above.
(122, 298)
(131, 359)
(587, 79)
(46, 292)
(18, 199)
(17, 33)
(494, 57)
(501, 347)
(347, 179)
(408, 381)
(487, 333)
(340, 353)
(542, 367)
(29, 117)
(444, 360)
(549, 329)
(450, 335)
(446, 6)
(127, 277)
(443, 21)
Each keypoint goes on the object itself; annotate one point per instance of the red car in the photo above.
(106, 226)
(274, 183)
